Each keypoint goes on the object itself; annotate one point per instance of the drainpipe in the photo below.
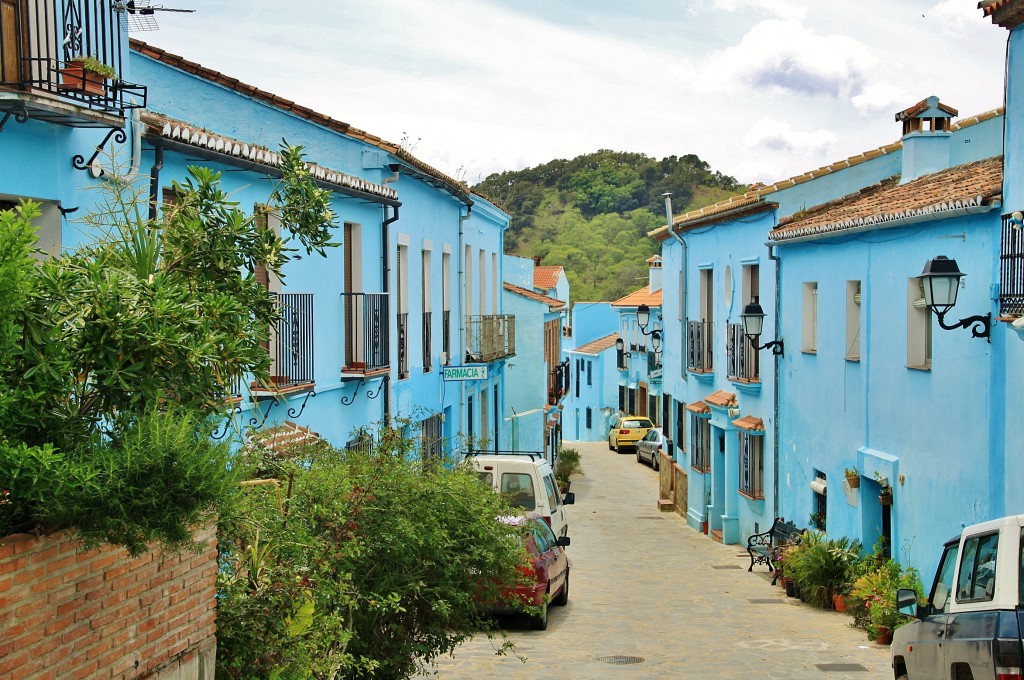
(775, 376)
(154, 179)
(462, 317)
(682, 266)
(385, 257)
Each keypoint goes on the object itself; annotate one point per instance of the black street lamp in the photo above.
(941, 280)
(753, 323)
(643, 317)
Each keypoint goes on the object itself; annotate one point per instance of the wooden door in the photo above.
(9, 42)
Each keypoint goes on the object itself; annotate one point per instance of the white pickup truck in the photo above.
(971, 625)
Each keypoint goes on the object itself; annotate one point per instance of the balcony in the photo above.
(489, 338)
(699, 346)
(403, 345)
(1011, 269)
(558, 382)
(38, 41)
(367, 335)
(291, 345)
(428, 322)
(742, 357)
(446, 335)
(654, 369)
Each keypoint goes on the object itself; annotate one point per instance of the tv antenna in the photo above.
(140, 15)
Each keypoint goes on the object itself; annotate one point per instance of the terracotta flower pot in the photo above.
(884, 636)
(853, 481)
(839, 603)
(75, 77)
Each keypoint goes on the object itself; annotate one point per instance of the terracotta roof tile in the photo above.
(532, 295)
(698, 407)
(722, 398)
(890, 203)
(1006, 13)
(749, 423)
(599, 345)
(302, 111)
(644, 296)
(546, 277)
(753, 200)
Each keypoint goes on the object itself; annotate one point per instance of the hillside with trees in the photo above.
(591, 214)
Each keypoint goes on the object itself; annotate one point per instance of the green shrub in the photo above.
(567, 464)
(823, 567)
(872, 599)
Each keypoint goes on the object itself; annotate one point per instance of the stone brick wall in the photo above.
(100, 614)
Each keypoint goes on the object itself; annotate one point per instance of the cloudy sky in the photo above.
(760, 89)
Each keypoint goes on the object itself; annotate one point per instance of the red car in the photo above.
(549, 567)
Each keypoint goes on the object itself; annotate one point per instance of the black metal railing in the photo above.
(751, 465)
(367, 333)
(446, 335)
(742, 358)
(699, 343)
(558, 382)
(39, 40)
(403, 345)
(622, 359)
(291, 340)
(489, 338)
(427, 325)
(1011, 268)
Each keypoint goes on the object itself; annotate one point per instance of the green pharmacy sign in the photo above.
(456, 373)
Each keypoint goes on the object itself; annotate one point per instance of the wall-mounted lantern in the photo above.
(941, 280)
(753, 322)
(643, 317)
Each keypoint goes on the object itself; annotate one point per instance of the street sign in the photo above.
(458, 373)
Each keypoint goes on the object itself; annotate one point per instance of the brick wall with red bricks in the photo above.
(67, 613)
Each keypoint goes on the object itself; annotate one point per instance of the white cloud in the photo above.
(957, 16)
(879, 97)
(785, 56)
(779, 8)
(777, 136)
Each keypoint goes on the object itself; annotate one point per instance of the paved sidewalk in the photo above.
(645, 585)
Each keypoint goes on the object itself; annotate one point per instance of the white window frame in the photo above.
(810, 318)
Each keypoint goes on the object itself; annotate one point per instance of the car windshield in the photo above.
(636, 423)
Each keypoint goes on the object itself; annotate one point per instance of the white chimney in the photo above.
(655, 272)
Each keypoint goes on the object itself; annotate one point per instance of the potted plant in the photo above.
(567, 464)
(872, 598)
(84, 73)
(852, 477)
(885, 496)
(825, 567)
(817, 520)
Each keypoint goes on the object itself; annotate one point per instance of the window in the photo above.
(943, 586)
(446, 305)
(579, 363)
(819, 513)
(622, 398)
(853, 302)
(518, 488)
(590, 418)
(552, 492)
(700, 334)
(681, 425)
(978, 569)
(590, 373)
(403, 310)
(431, 444)
(1011, 273)
(483, 282)
(919, 327)
(751, 464)
(427, 315)
(469, 421)
(810, 316)
(700, 450)
(468, 280)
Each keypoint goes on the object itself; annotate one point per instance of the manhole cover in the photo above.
(619, 659)
(840, 667)
(774, 600)
(726, 566)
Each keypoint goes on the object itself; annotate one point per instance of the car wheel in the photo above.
(563, 597)
(610, 447)
(540, 621)
(654, 461)
(902, 677)
(638, 458)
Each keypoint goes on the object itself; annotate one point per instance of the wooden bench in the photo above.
(765, 548)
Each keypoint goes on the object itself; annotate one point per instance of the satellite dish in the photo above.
(139, 15)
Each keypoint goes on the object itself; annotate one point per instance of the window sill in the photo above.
(746, 385)
(702, 471)
(853, 359)
(703, 375)
(808, 351)
(750, 496)
(922, 367)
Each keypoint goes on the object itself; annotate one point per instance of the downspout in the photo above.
(385, 257)
(154, 179)
(462, 317)
(775, 376)
(682, 269)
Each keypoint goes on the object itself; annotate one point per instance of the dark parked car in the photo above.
(549, 566)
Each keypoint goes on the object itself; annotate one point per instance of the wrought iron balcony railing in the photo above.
(367, 334)
(39, 40)
(489, 338)
(403, 345)
(742, 357)
(622, 359)
(699, 346)
(428, 322)
(558, 382)
(291, 341)
(1011, 268)
(446, 335)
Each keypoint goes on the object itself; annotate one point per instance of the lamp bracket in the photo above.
(980, 325)
(776, 346)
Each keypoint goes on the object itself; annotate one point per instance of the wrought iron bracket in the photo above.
(775, 345)
(351, 400)
(20, 116)
(256, 422)
(79, 162)
(980, 325)
(226, 425)
(380, 388)
(292, 413)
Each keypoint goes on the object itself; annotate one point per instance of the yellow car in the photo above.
(627, 431)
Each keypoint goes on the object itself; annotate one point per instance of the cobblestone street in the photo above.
(645, 585)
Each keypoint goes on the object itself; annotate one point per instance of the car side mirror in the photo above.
(569, 498)
(906, 602)
(563, 541)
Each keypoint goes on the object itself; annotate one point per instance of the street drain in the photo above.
(619, 659)
(840, 667)
(774, 600)
(726, 566)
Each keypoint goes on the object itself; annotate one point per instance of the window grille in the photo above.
(700, 452)
(751, 464)
(1011, 269)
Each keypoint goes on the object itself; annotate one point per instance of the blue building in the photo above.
(639, 358)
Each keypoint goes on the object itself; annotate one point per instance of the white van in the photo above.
(527, 480)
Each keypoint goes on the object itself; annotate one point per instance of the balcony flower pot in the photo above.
(87, 75)
(885, 498)
(853, 479)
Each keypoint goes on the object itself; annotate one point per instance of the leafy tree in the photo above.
(372, 564)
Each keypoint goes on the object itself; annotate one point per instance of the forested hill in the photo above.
(591, 214)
